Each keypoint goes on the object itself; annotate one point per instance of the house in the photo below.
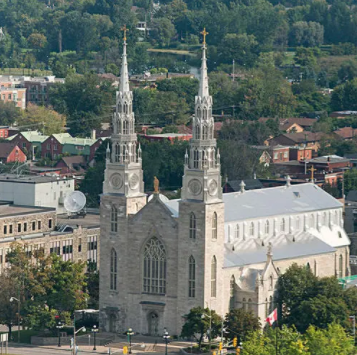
(72, 165)
(330, 163)
(346, 133)
(307, 139)
(4, 132)
(292, 124)
(15, 95)
(64, 143)
(10, 153)
(343, 114)
(29, 141)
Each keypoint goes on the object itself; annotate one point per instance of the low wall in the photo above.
(35, 340)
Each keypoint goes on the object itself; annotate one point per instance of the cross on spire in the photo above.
(124, 29)
(312, 169)
(204, 33)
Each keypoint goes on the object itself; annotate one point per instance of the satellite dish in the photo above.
(75, 201)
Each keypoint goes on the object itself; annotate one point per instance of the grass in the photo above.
(171, 51)
(288, 58)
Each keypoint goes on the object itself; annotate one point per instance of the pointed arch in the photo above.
(195, 159)
(271, 282)
(214, 225)
(204, 132)
(154, 273)
(214, 277)
(192, 226)
(205, 113)
(191, 277)
(282, 225)
(197, 132)
(114, 219)
(125, 108)
(120, 107)
(117, 153)
(267, 227)
(251, 229)
(113, 269)
(125, 127)
(236, 232)
(199, 112)
(232, 300)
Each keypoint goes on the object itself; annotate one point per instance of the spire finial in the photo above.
(312, 169)
(108, 152)
(204, 33)
(124, 74)
(288, 181)
(124, 29)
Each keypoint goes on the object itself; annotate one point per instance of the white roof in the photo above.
(273, 201)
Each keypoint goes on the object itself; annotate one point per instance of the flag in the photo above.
(273, 317)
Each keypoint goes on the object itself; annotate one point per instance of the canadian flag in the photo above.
(273, 317)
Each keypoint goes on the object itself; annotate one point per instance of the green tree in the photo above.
(307, 34)
(239, 322)
(344, 96)
(348, 70)
(163, 31)
(9, 113)
(201, 322)
(37, 41)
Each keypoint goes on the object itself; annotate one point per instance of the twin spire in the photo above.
(124, 74)
(203, 89)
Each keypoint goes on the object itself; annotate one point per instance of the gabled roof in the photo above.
(288, 122)
(302, 137)
(31, 136)
(250, 184)
(6, 148)
(272, 201)
(66, 138)
(73, 160)
(346, 132)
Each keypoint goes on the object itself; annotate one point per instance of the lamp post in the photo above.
(166, 336)
(12, 299)
(59, 326)
(129, 333)
(241, 347)
(94, 331)
(210, 327)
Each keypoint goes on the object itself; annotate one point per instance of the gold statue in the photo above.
(204, 33)
(312, 169)
(156, 185)
(124, 29)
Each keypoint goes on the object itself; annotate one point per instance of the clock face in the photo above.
(116, 181)
(212, 187)
(133, 181)
(195, 187)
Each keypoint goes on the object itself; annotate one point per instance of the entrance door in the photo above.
(112, 323)
(153, 323)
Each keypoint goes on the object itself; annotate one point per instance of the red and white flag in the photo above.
(273, 317)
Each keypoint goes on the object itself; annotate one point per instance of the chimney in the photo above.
(94, 133)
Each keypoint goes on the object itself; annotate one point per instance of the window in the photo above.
(48, 146)
(236, 232)
(25, 227)
(191, 277)
(192, 226)
(312, 221)
(154, 267)
(10, 228)
(195, 158)
(19, 227)
(67, 250)
(214, 277)
(55, 248)
(271, 282)
(113, 270)
(214, 226)
(50, 223)
(232, 300)
(5, 229)
(39, 225)
(282, 225)
(79, 245)
(33, 225)
(266, 227)
(199, 112)
(125, 127)
(297, 222)
(251, 229)
(204, 132)
(197, 132)
(340, 267)
(114, 219)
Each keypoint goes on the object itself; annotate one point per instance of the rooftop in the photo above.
(329, 159)
(91, 220)
(6, 148)
(167, 135)
(30, 179)
(7, 209)
(31, 136)
(66, 138)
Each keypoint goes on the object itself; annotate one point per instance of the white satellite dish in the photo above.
(75, 201)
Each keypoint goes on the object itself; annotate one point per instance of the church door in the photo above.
(112, 323)
(153, 323)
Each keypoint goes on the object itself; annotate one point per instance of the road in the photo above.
(31, 350)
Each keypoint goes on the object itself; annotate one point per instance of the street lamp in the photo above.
(166, 336)
(94, 331)
(59, 326)
(241, 347)
(210, 327)
(129, 333)
(12, 299)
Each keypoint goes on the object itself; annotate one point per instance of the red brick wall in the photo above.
(16, 155)
(51, 148)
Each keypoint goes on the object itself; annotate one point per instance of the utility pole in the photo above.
(233, 71)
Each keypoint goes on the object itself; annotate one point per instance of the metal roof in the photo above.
(272, 201)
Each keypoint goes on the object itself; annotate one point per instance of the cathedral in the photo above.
(160, 258)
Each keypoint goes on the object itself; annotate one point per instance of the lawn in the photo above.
(25, 71)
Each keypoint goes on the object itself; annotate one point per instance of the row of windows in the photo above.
(203, 158)
(207, 132)
(125, 108)
(284, 224)
(123, 153)
(23, 227)
(193, 226)
(203, 113)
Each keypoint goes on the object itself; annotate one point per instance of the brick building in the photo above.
(30, 142)
(10, 153)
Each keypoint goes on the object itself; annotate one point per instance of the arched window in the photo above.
(197, 132)
(198, 112)
(236, 232)
(114, 219)
(214, 226)
(204, 132)
(125, 127)
(251, 229)
(204, 113)
(308, 266)
(271, 282)
(214, 277)
(119, 107)
(312, 221)
(119, 126)
(191, 277)
(266, 227)
(297, 222)
(195, 158)
(125, 108)
(117, 153)
(154, 267)
(192, 226)
(113, 270)
(282, 225)
(250, 305)
(340, 267)
(204, 158)
(271, 304)
(232, 300)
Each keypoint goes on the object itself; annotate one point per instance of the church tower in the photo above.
(201, 210)
(123, 174)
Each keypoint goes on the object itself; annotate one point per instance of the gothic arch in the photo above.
(214, 277)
